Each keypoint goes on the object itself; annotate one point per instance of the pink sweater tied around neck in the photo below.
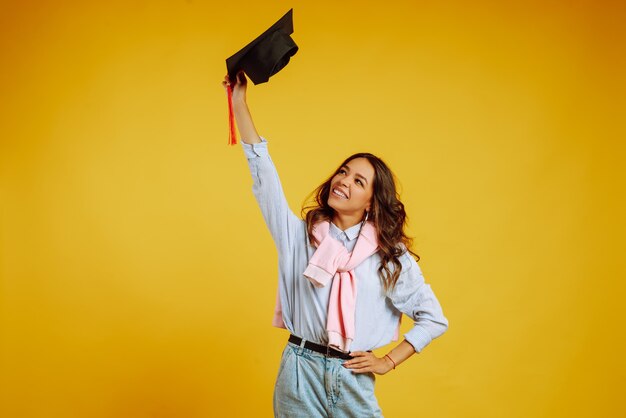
(332, 260)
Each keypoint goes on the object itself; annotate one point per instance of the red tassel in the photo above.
(232, 134)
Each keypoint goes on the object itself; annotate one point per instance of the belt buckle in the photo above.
(328, 350)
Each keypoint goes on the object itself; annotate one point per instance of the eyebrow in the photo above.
(356, 174)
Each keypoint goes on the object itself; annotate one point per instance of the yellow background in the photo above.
(138, 278)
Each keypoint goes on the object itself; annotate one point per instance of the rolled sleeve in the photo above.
(413, 297)
(255, 150)
(283, 224)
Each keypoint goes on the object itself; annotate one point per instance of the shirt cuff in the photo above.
(255, 150)
(418, 338)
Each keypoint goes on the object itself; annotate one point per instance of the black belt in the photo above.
(318, 348)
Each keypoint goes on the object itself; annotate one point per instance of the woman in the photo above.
(346, 275)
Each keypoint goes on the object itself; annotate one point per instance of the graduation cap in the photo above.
(262, 58)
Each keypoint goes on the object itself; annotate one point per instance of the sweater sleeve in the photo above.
(413, 297)
(281, 221)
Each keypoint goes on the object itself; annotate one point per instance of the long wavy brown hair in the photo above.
(386, 213)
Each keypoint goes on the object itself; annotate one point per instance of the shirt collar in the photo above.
(350, 233)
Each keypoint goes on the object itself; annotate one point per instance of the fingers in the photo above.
(241, 78)
(365, 362)
(359, 359)
(226, 82)
(364, 370)
(239, 81)
(357, 364)
(362, 366)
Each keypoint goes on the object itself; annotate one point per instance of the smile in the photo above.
(340, 194)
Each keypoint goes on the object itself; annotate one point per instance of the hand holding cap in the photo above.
(260, 59)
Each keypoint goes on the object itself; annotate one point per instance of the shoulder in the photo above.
(410, 278)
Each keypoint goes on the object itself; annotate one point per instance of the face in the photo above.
(351, 189)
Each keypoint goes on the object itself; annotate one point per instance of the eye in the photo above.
(342, 171)
(359, 182)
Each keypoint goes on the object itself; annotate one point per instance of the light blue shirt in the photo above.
(305, 306)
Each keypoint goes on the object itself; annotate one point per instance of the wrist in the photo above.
(239, 98)
(390, 361)
(240, 105)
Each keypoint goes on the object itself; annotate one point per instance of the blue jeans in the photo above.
(311, 385)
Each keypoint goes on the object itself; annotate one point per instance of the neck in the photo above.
(344, 222)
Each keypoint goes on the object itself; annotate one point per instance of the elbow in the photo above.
(439, 327)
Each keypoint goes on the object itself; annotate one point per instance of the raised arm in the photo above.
(283, 224)
(245, 124)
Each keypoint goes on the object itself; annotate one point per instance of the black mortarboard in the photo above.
(261, 59)
(267, 54)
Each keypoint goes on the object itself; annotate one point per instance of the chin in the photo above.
(333, 205)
